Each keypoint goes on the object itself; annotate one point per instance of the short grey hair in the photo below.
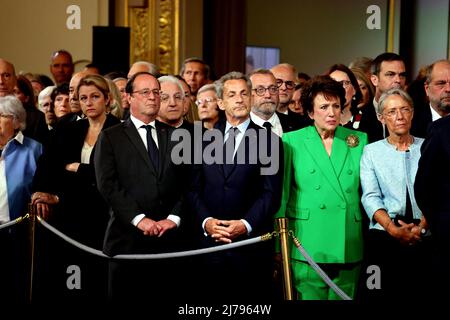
(393, 92)
(12, 106)
(173, 80)
(233, 75)
(207, 87)
(46, 92)
(260, 71)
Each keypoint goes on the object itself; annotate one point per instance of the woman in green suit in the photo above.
(321, 193)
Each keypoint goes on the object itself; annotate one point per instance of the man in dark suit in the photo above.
(388, 72)
(137, 178)
(432, 188)
(238, 199)
(438, 93)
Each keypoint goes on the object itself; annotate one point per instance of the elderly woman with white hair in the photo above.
(18, 158)
(397, 225)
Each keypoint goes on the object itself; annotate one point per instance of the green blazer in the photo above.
(321, 195)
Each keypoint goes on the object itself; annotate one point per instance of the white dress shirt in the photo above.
(434, 115)
(274, 121)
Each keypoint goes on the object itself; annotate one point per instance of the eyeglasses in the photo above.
(394, 112)
(260, 91)
(289, 84)
(440, 84)
(345, 83)
(6, 116)
(147, 92)
(178, 97)
(206, 101)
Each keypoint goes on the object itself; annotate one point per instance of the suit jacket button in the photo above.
(312, 170)
(317, 187)
(342, 205)
(348, 190)
(322, 206)
(349, 171)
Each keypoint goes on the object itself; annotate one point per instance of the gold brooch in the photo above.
(352, 141)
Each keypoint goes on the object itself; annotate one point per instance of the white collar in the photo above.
(434, 114)
(139, 123)
(274, 120)
(242, 127)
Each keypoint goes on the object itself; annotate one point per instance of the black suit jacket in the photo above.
(421, 121)
(131, 185)
(371, 125)
(293, 121)
(83, 213)
(432, 184)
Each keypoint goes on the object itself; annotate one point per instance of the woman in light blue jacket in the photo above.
(18, 158)
(397, 226)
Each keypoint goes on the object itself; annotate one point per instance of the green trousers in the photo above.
(310, 286)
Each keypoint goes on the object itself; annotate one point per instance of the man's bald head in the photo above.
(8, 78)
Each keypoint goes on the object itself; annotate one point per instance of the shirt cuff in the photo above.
(247, 225)
(137, 219)
(203, 226)
(175, 219)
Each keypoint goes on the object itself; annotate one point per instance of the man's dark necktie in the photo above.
(228, 150)
(152, 149)
(268, 127)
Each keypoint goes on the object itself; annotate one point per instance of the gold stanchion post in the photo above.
(32, 226)
(287, 277)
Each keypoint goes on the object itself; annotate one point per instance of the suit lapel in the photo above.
(163, 140)
(339, 151)
(320, 156)
(135, 138)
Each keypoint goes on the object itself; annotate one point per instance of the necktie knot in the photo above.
(148, 127)
(233, 131)
(267, 125)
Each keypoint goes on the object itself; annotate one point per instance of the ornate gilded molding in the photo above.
(139, 37)
(155, 34)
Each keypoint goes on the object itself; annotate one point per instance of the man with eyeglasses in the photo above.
(172, 98)
(265, 100)
(388, 72)
(285, 80)
(139, 181)
(208, 110)
(437, 88)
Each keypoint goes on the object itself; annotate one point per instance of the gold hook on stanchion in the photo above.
(32, 230)
(283, 229)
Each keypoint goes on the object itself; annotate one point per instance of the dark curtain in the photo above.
(224, 36)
